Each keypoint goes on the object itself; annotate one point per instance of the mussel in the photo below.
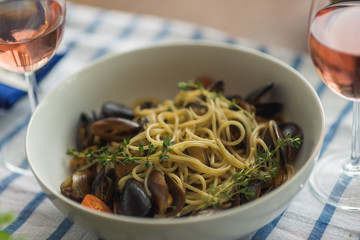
(240, 101)
(115, 129)
(113, 109)
(254, 102)
(217, 86)
(148, 105)
(84, 137)
(271, 140)
(200, 154)
(133, 200)
(255, 96)
(197, 107)
(79, 184)
(286, 153)
(167, 196)
(292, 130)
(103, 186)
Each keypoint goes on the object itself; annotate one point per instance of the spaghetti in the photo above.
(216, 152)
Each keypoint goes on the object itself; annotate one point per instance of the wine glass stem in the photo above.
(354, 163)
(32, 90)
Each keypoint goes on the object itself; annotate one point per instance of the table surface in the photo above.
(278, 22)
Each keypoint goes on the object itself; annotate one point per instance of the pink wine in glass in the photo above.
(334, 44)
(30, 32)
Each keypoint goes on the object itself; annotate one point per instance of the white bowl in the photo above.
(155, 71)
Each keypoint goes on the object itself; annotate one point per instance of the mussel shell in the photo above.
(104, 184)
(218, 87)
(84, 137)
(272, 143)
(161, 186)
(134, 201)
(200, 154)
(255, 186)
(159, 191)
(268, 109)
(178, 197)
(78, 185)
(241, 103)
(293, 130)
(255, 96)
(115, 129)
(112, 109)
(197, 107)
(148, 105)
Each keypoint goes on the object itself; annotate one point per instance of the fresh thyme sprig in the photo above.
(241, 181)
(294, 141)
(124, 154)
(190, 85)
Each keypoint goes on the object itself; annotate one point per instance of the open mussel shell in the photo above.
(268, 109)
(103, 186)
(197, 107)
(217, 86)
(255, 96)
(167, 196)
(79, 184)
(159, 191)
(293, 130)
(271, 141)
(286, 153)
(115, 129)
(200, 154)
(84, 137)
(240, 101)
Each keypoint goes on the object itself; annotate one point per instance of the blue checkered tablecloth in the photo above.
(92, 33)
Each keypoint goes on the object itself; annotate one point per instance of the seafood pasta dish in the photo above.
(198, 153)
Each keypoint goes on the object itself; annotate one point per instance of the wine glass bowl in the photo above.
(30, 33)
(33, 30)
(334, 45)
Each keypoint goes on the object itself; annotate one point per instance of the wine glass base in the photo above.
(333, 184)
(12, 154)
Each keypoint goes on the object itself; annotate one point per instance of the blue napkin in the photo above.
(9, 95)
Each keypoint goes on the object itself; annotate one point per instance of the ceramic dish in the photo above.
(155, 71)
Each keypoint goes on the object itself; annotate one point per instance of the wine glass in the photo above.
(334, 45)
(30, 32)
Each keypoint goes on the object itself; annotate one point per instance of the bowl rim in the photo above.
(185, 220)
